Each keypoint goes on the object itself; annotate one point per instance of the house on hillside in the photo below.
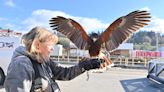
(124, 50)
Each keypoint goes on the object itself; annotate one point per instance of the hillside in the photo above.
(144, 40)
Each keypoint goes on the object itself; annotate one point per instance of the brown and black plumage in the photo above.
(118, 32)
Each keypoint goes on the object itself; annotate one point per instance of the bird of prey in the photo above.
(115, 34)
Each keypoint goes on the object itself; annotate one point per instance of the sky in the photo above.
(93, 15)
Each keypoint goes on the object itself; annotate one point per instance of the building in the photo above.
(123, 50)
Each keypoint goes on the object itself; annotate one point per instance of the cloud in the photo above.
(156, 25)
(9, 25)
(145, 8)
(41, 18)
(91, 24)
(10, 3)
(3, 22)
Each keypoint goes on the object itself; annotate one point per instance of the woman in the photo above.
(31, 69)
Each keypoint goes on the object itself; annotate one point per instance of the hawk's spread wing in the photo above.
(121, 29)
(72, 30)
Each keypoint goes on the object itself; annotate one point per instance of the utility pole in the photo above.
(157, 42)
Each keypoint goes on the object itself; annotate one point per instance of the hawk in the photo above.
(115, 34)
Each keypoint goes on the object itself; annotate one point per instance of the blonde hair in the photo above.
(37, 34)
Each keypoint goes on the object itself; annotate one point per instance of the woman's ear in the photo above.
(37, 44)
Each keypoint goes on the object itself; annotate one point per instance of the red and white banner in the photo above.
(142, 53)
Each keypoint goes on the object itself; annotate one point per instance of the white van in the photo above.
(7, 46)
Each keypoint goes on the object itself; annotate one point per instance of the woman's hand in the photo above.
(88, 64)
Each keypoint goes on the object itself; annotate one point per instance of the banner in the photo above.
(149, 54)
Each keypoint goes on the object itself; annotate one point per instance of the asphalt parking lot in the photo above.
(112, 80)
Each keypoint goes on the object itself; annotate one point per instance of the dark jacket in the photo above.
(21, 76)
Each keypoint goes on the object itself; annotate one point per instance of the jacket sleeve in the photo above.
(65, 73)
(19, 76)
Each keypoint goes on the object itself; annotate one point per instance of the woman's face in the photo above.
(46, 48)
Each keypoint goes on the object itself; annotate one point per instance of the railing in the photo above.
(118, 61)
(66, 58)
(130, 62)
